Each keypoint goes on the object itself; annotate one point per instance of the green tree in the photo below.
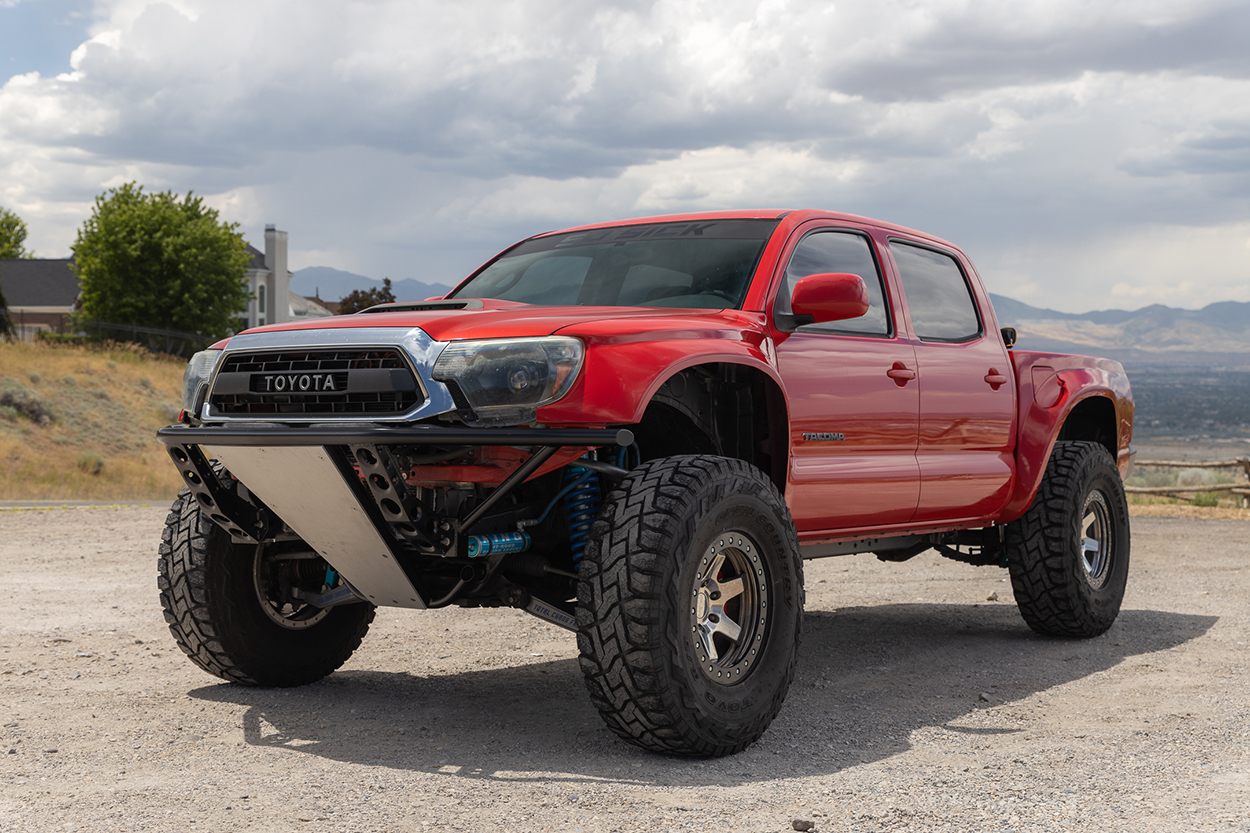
(12, 235)
(359, 299)
(158, 261)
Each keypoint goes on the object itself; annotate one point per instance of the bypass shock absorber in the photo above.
(581, 504)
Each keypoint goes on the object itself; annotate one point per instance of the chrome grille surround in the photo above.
(414, 350)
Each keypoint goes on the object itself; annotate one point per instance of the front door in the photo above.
(853, 399)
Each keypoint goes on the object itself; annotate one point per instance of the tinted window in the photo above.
(938, 299)
(834, 251)
(706, 264)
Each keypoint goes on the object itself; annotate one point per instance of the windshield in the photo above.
(701, 265)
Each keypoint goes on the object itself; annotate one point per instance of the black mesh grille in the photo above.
(309, 382)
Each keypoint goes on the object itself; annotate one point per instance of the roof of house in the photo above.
(258, 258)
(332, 306)
(35, 282)
(303, 307)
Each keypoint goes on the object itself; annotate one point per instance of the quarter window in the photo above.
(938, 297)
(838, 251)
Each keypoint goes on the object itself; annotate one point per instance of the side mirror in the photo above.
(1009, 336)
(829, 296)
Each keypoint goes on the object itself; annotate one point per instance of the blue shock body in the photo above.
(504, 543)
(581, 505)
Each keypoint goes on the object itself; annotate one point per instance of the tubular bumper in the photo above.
(320, 435)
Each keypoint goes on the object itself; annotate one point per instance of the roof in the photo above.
(258, 258)
(332, 306)
(31, 282)
(789, 215)
(302, 307)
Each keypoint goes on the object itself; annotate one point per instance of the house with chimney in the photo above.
(268, 278)
(43, 293)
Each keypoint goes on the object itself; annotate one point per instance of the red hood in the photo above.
(497, 319)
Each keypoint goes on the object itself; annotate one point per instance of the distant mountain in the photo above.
(334, 284)
(1218, 332)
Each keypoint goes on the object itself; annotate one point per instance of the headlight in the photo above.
(506, 380)
(195, 380)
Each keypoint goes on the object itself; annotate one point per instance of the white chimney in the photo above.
(279, 281)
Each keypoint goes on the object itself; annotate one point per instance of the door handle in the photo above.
(995, 379)
(900, 374)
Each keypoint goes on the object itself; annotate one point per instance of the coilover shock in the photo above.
(581, 505)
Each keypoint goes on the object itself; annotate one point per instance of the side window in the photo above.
(838, 251)
(938, 297)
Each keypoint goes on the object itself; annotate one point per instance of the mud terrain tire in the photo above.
(209, 595)
(1068, 554)
(690, 605)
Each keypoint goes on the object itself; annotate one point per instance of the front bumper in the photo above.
(302, 474)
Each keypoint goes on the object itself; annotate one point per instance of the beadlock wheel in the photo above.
(729, 609)
(1096, 539)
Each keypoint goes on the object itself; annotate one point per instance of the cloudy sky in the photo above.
(1085, 154)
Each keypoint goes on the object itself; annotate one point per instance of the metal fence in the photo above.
(175, 342)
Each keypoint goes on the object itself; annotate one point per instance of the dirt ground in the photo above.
(922, 702)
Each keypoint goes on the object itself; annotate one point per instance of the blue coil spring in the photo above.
(581, 505)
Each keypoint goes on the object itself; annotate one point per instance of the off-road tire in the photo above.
(209, 596)
(1062, 588)
(650, 560)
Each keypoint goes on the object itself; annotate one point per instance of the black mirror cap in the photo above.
(1009, 336)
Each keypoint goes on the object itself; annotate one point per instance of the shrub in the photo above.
(49, 337)
(24, 401)
(1152, 478)
(90, 462)
(1206, 499)
(1202, 477)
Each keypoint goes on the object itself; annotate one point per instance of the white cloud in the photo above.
(410, 138)
(1180, 266)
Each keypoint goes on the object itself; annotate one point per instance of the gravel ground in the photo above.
(922, 702)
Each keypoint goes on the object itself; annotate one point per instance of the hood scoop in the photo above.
(427, 306)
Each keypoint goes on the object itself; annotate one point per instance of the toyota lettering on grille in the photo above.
(297, 382)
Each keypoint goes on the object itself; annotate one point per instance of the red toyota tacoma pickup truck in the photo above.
(637, 431)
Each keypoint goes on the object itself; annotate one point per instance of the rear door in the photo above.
(966, 384)
(852, 394)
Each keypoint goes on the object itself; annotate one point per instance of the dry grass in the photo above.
(1179, 509)
(99, 440)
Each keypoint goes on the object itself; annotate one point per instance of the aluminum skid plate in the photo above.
(304, 487)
